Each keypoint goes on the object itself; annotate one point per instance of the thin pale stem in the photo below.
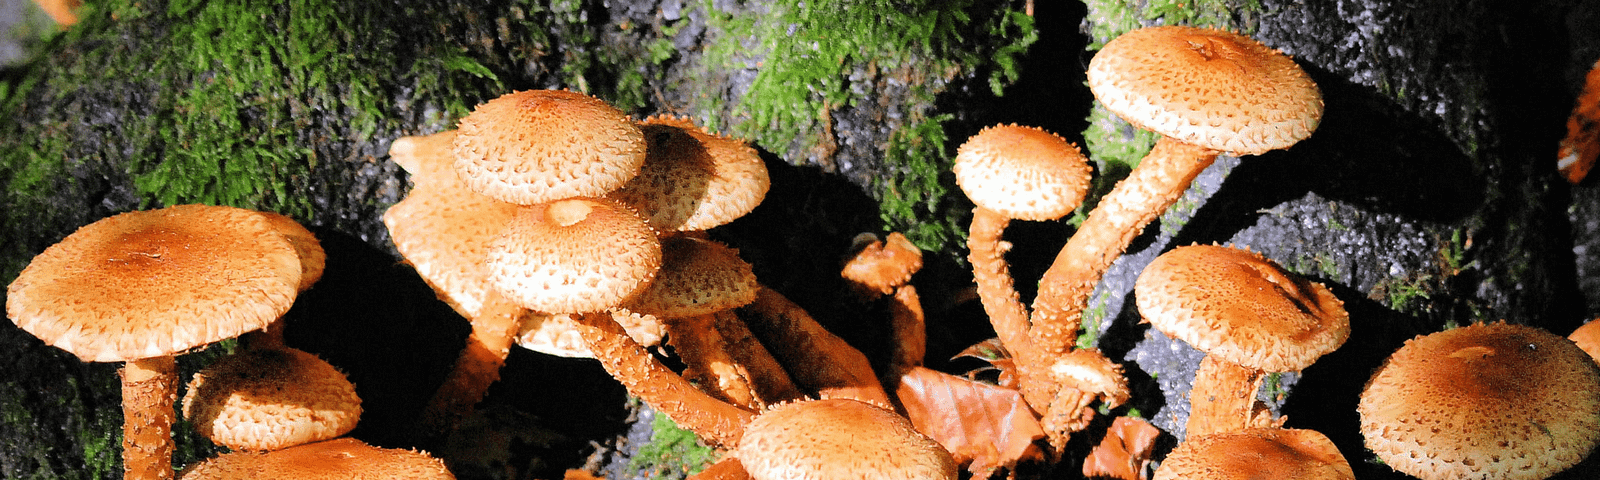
(1157, 183)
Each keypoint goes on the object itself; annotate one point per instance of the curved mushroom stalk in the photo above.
(817, 358)
(708, 363)
(770, 383)
(494, 330)
(645, 377)
(1152, 187)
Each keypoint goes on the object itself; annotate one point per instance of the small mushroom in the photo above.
(142, 287)
(839, 439)
(1205, 91)
(1287, 454)
(263, 399)
(1248, 315)
(1490, 400)
(538, 146)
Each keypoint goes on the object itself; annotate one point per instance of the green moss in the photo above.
(672, 452)
(1108, 19)
(814, 58)
(1089, 333)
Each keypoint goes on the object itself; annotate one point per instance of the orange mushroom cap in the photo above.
(1207, 87)
(155, 283)
(337, 459)
(1287, 454)
(1587, 337)
(1241, 307)
(426, 157)
(271, 399)
(692, 179)
(697, 277)
(443, 229)
(313, 260)
(1022, 172)
(1483, 401)
(537, 146)
(839, 438)
(574, 256)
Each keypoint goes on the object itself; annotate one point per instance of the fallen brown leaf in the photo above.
(1124, 452)
(985, 427)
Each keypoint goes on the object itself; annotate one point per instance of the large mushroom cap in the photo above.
(1483, 401)
(692, 179)
(270, 399)
(1286, 454)
(1212, 88)
(574, 256)
(1022, 172)
(443, 229)
(157, 282)
(313, 260)
(1241, 307)
(839, 439)
(537, 146)
(338, 459)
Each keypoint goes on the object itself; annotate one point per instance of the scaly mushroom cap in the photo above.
(1483, 401)
(337, 459)
(558, 335)
(1587, 337)
(692, 179)
(1212, 88)
(443, 229)
(426, 157)
(1022, 172)
(1286, 454)
(271, 399)
(839, 439)
(1241, 307)
(697, 277)
(574, 256)
(157, 282)
(313, 260)
(537, 146)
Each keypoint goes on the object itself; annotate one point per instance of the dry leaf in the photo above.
(1124, 452)
(983, 426)
(999, 359)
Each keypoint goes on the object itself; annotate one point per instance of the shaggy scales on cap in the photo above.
(270, 399)
(538, 146)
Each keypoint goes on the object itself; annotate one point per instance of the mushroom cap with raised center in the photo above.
(1241, 307)
(574, 256)
(337, 459)
(692, 179)
(156, 283)
(271, 399)
(537, 146)
(1286, 454)
(1022, 172)
(1207, 87)
(839, 439)
(697, 277)
(1483, 401)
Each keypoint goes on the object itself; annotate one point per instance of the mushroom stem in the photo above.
(1157, 183)
(996, 288)
(910, 330)
(712, 420)
(816, 358)
(493, 331)
(707, 361)
(1223, 397)
(149, 388)
(770, 383)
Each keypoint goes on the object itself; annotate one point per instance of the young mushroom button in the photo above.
(1206, 92)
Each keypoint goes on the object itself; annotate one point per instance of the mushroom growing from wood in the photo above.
(1206, 92)
(1248, 315)
(1490, 400)
(142, 287)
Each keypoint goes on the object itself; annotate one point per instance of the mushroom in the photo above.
(269, 399)
(142, 287)
(839, 439)
(538, 146)
(1587, 337)
(693, 180)
(1287, 454)
(1248, 315)
(313, 260)
(699, 278)
(1490, 400)
(1206, 92)
(337, 459)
